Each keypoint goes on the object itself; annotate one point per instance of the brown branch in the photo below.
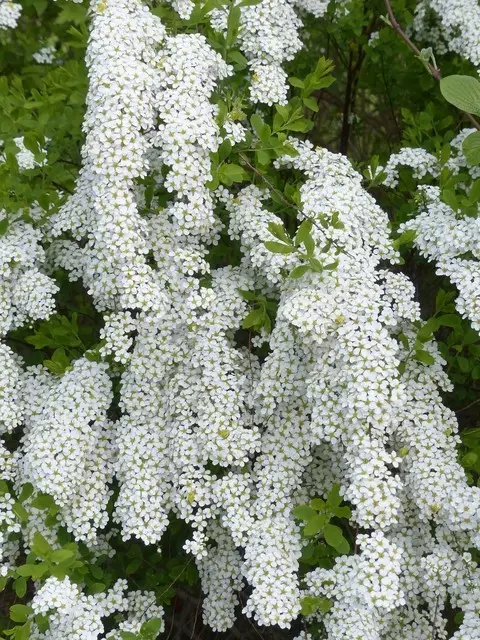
(353, 74)
(433, 70)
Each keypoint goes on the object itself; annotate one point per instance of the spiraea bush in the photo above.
(239, 312)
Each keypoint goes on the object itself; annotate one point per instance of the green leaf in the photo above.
(26, 492)
(334, 499)
(296, 82)
(304, 512)
(331, 266)
(471, 148)
(298, 272)
(32, 570)
(405, 238)
(278, 247)
(315, 524)
(230, 173)
(302, 125)
(97, 587)
(224, 150)
(449, 320)
(334, 538)
(60, 555)
(318, 504)
(310, 604)
(311, 104)
(278, 230)
(304, 232)
(43, 501)
(20, 511)
(40, 547)
(128, 635)
(261, 128)
(463, 92)
(233, 23)
(20, 586)
(23, 633)
(463, 364)
(424, 356)
(3, 226)
(342, 512)
(20, 612)
(425, 333)
(254, 319)
(152, 627)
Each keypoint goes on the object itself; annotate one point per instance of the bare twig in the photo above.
(432, 69)
(468, 406)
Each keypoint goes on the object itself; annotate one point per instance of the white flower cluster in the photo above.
(225, 440)
(268, 36)
(102, 214)
(45, 55)
(67, 446)
(332, 378)
(72, 614)
(8, 524)
(364, 589)
(442, 236)
(453, 244)
(456, 28)
(188, 132)
(422, 162)
(25, 292)
(9, 14)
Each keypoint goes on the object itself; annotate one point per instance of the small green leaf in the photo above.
(20, 511)
(26, 492)
(405, 238)
(32, 570)
(334, 538)
(463, 92)
(278, 230)
(97, 587)
(304, 512)
(278, 247)
(315, 524)
(298, 272)
(296, 82)
(424, 356)
(40, 547)
(152, 627)
(334, 499)
(230, 173)
(311, 104)
(310, 604)
(60, 555)
(20, 586)
(304, 232)
(20, 612)
(43, 501)
(23, 633)
(471, 148)
(254, 319)
(318, 504)
(331, 266)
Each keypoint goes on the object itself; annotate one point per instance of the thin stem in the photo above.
(433, 70)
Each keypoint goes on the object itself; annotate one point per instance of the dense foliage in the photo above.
(240, 314)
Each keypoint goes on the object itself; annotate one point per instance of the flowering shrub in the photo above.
(239, 285)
